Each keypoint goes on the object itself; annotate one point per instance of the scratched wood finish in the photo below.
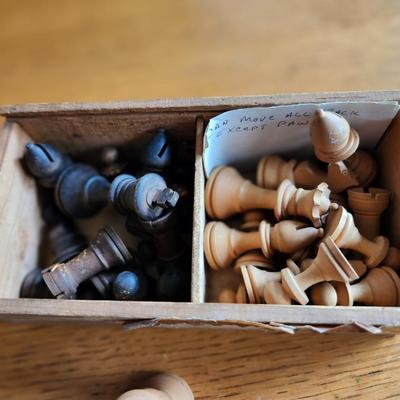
(73, 51)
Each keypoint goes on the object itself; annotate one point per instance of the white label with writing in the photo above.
(241, 137)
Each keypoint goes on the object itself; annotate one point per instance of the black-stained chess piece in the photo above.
(81, 191)
(34, 287)
(86, 291)
(50, 213)
(112, 161)
(174, 284)
(106, 251)
(45, 163)
(130, 285)
(147, 196)
(157, 154)
(103, 281)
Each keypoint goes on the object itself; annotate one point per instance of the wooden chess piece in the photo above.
(363, 166)
(34, 287)
(228, 193)
(222, 245)
(241, 295)
(157, 153)
(130, 285)
(272, 170)
(251, 220)
(174, 283)
(368, 207)
(333, 138)
(147, 196)
(255, 279)
(358, 266)
(255, 258)
(80, 191)
(227, 296)
(323, 294)
(381, 287)
(339, 199)
(105, 252)
(45, 163)
(163, 386)
(392, 258)
(340, 226)
(308, 176)
(112, 162)
(275, 294)
(329, 265)
(340, 177)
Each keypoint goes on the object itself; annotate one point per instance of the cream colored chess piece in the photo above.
(251, 220)
(161, 387)
(227, 193)
(340, 226)
(362, 165)
(381, 287)
(241, 295)
(227, 296)
(255, 258)
(367, 207)
(222, 245)
(323, 294)
(275, 294)
(358, 266)
(392, 258)
(329, 265)
(333, 138)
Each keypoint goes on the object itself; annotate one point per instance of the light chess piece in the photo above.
(227, 296)
(340, 177)
(392, 258)
(255, 279)
(241, 295)
(340, 226)
(222, 245)
(227, 193)
(363, 166)
(163, 386)
(251, 220)
(381, 287)
(333, 138)
(358, 266)
(329, 265)
(368, 207)
(147, 196)
(106, 251)
(275, 294)
(255, 258)
(272, 170)
(323, 294)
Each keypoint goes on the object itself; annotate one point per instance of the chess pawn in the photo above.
(105, 252)
(275, 294)
(255, 279)
(241, 295)
(329, 265)
(81, 192)
(340, 226)
(130, 285)
(255, 258)
(147, 196)
(381, 287)
(163, 386)
(227, 193)
(367, 208)
(34, 287)
(222, 245)
(272, 170)
(340, 177)
(112, 162)
(173, 284)
(103, 282)
(358, 265)
(323, 294)
(363, 166)
(45, 163)
(392, 258)
(251, 220)
(227, 296)
(156, 155)
(308, 176)
(333, 138)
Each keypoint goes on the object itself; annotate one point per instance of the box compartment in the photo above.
(81, 127)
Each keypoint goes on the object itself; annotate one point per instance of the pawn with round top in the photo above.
(340, 226)
(227, 193)
(381, 287)
(222, 245)
(323, 294)
(163, 386)
(329, 265)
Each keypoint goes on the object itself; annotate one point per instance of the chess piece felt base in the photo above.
(163, 386)
(367, 207)
(106, 251)
(81, 192)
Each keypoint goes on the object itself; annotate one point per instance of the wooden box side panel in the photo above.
(20, 221)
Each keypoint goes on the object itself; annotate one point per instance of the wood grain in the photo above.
(78, 51)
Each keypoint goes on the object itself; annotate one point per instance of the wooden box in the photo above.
(77, 127)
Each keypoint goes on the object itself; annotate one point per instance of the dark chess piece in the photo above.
(81, 192)
(103, 281)
(45, 163)
(130, 285)
(112, 162)
(86, 291)
(34, 287)
(174, 284)
(165, 236)
(156, 155)
(147, 196)
(106, 251)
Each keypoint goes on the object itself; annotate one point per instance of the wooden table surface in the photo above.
(103, 50)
